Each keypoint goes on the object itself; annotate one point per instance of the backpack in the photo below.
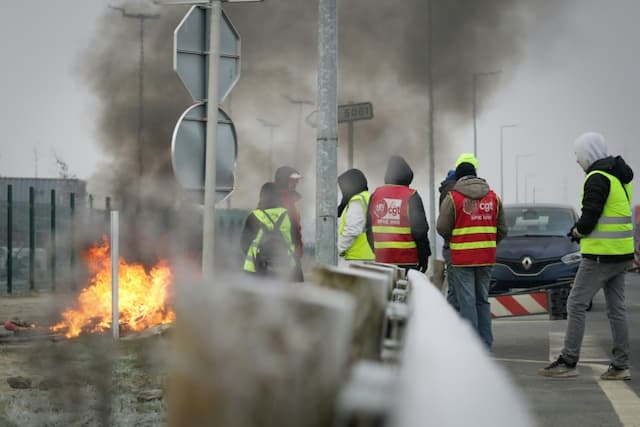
(273, 256)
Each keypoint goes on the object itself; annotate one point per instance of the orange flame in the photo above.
(142, 296)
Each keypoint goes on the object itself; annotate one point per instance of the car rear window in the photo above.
(539, 221)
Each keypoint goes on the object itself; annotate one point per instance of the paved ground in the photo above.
(525, 344)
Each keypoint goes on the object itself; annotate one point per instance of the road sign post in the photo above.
(350, 113)
(207, 59)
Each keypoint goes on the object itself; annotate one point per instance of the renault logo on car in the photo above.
(527, 262)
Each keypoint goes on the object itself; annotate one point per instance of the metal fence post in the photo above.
(32, 239)
(72, 240)
(9, 238)
(53, 239)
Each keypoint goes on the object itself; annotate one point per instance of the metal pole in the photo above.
(72, 239)
(209, 220)
(327, 134)
(9, 238)
(431, 124)
(350, 148)
(140, 114)
(115, 271)
(476, 76)
(518, 157)
(475, 130)
(32, 239)
(502, 128)
(53, 239)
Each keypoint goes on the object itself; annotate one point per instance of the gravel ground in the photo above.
(81, 382)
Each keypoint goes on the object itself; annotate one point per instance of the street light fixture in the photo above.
(476, 76)
(502, 128)
(518, 157)
(300, 103)
(270, 125)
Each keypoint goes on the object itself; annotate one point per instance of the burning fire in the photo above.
(142, 296)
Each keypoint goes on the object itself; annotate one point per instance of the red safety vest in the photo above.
(389, 210)
(473, 239)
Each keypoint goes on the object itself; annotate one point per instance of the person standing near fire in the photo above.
(267, 239)
(398, 221)
(286, 180)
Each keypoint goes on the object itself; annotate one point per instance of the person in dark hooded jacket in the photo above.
(605, 233)
(286, 179)
(267, 215)
(398, 221)
(355, 240)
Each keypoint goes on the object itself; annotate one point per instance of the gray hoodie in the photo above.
(473, 188)
(590, 147)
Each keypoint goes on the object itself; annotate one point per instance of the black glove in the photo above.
(574, 234)
(422, 267)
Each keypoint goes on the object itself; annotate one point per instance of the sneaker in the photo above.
(559, 369)
(614, 373)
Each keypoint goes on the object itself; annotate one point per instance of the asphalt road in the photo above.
(525, 344)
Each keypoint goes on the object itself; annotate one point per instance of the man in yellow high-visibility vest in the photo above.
(605, 232)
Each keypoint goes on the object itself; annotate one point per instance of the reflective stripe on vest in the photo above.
(389, 210)
(473, 238)
(360, 249)
(613, 234)
(285, 229)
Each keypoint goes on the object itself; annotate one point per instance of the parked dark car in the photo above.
(537, 250)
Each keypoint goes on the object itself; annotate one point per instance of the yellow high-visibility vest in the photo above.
(360, 249)
(613, 234)
(285, 229)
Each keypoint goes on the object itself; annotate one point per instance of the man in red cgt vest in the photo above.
(472, 219)
(397, 218)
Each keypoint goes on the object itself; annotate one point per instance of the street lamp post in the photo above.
(518, 157)
(526, 185)
(476, 76)
(141, 17)
(300, 103)
(502, 128)
(268, 124)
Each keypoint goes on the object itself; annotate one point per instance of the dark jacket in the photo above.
(445, 186)
(400, 173)
(595, 193)
(269, 198)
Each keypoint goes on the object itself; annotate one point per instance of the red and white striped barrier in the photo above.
(519, 305)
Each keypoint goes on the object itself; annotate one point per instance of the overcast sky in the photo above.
(583, 78)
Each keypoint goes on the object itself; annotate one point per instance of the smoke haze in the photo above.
(383, 59)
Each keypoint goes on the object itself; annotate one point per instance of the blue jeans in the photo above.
(471, 286)
(452, 299)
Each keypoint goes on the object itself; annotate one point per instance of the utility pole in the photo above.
(502, 128)
(476, 76)
(141, 17)
(327, 134)
(300, 103)
(270, 125)
(432, 184)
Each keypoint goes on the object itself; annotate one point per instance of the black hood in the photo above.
(269, 197)
(398, 172)
(351, 183)
(616, 166)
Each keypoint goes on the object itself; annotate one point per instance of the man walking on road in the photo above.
(472, 219)
(605, 232)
